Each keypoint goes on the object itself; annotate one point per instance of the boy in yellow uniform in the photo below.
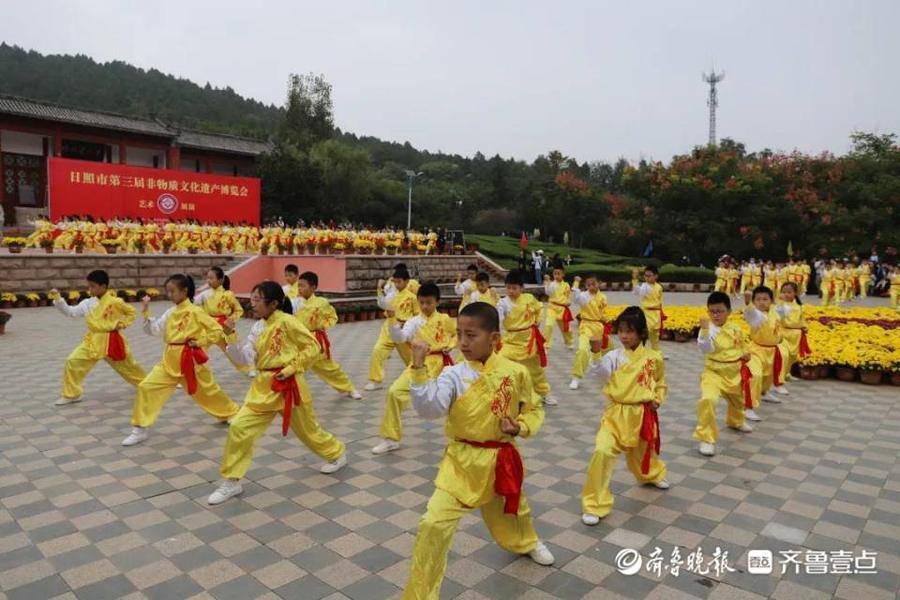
(488, 402)
(291, 276)
(840, 283)
(105, 315)
(635, 387)
(318, 316)
(523, 342)
(828, 285)
(722, 276)
(865, 278)
(464, 287)
(650, 293)
(805, 272)
(767, 343)
(559, 294)
(589, 304)
(746, 278)
(483, 292)
(187, 331)
(280, 348)
(434, 328)
(399, 300)
(729, 372)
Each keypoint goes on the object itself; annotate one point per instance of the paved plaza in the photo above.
(83, 517)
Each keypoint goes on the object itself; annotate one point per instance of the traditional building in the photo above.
(32, 131)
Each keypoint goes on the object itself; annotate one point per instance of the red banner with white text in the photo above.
(108, 191)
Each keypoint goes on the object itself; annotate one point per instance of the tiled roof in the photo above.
(226, 143)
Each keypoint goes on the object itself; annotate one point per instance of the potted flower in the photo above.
(32, 299)
(872, 363)
(47, 244)
(14, 244)
(7, 299)
(111, 245)
(4, 319)
(73, 297)
(140, 244)
(152, 292)
(192, 247)
(78, 243)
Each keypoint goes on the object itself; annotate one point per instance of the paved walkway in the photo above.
(80, 516)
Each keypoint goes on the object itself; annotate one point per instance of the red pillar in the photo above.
(57, 142)
(123, 154)
(208, 165)
(173, 158)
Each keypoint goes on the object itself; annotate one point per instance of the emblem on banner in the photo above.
(167, 204)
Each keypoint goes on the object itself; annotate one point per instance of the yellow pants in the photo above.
(249, 425)
(583, 354)
(533, 364)
(331, 373)
(398, 399)
(895, 297)
(554, 319)
(514, 533)
(654, 338)
(157, 387)
(382, 351)
(826, 295)
(712, 387)
(82, 360)
(596, 498)
(720, 285)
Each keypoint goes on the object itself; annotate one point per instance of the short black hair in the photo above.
(429, 289)
(401, 273)
(472, 267)
(310, 278)
(482, 276)
(292, 268)
(719, 298)
(487, 316)
(99, 276)
(515, 278)
(762, 289)
(652, 269)
(633, 317)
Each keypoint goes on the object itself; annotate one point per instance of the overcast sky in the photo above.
(596, 80)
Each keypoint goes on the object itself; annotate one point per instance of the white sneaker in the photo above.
(662, 484)
(707, 449)
(770, 397)
(372, 386)
(571, 347)
(751, 415)
(550, 400)
(573, 385)
(334, 466)
(252, 374)
(745, 427)
(355, 395)
(386, 446)
(589, 519)
(63, 401)
(541, 555)
(780, 389)
(137, 435)
(228, 489)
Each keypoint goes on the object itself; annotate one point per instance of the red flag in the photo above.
(523, 242)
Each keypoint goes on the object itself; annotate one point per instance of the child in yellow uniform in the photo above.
(434, 328)
(805, 271)
(558, 313)
(221, 304)
(650, 293)
(828, 285)
(280, 348)
(291, 288)
(840, 284)
(746, 278)
(721, 276)
(464, 287)
(734, 278)
(187, 330)
(865, 278)
(483, 291)
(105, 315)
(895, 287)
(790, 310)
(729, 372)
(488, 402)
(318, 316)
(589, 304)
(400, 301)
(767, 343)
(523, 342)
(635, 388)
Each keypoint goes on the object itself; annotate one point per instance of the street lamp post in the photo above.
(410, 176)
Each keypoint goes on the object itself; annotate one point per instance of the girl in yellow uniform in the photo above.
(559, 294)
(589, 304)
(523, 342)
(436, 329)
(729, 372)
(767, 343)
(635, 388)
(828, 285)
(221, 304)
(280, 348)
(399, 300)
(650, 293)
(318, 316)
(790, 310)
(105, 315)
(487, 401)
(187, 330)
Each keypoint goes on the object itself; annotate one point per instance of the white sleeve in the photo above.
(409, 330)
(156, 326)
(641, 289)
(580, 298)
(783, 311)
(432, 399)
(200, 298)
(296, 304)
(244, 353)
(605, 367)
(384, 301)
(503, 308)
(706, 343)
(461, 288)
(79, 310)
(754, 317)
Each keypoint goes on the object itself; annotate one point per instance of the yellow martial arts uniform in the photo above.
(489, 297)
(652, 304)
(755, 276)
(746, 279)
(865, 275)
(474, 397)
(840, 285)
(895, 290)
(721, 279)
(520, 321)
(559, 294)
(279, 344)
(464, 289)
(291, 290)
(805, 271)
(828, 287)
(182, 322)
(723, 349)
(770, 279)
(405, 306)
(734, 277)
(102, 316)
(766, 335)
(318, 316)
(438, 330)
(222, 305)
(792, 325)
(635, 378)
(591, 327)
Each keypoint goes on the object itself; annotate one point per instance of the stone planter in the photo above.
(824, 371)
(895, 378)
(193, 250)
(871, 377)
(15, 249)
(845, 373)
(48, 249)
(79, 249)
(809, 372)
(111, 249)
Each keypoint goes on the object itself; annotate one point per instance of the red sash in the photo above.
(746, 376)
(221, 319)
(607, 331)
(537, 341)
(509, 473)
(805, 350)
(662, 316)
(324, 342)
(448, 360)
(189, 358)
(567, 317)
(290, 392)
(777, 364)
(650, 434)
(115, 348)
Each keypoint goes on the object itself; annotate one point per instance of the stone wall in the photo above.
(40, 273)
(363, 272)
